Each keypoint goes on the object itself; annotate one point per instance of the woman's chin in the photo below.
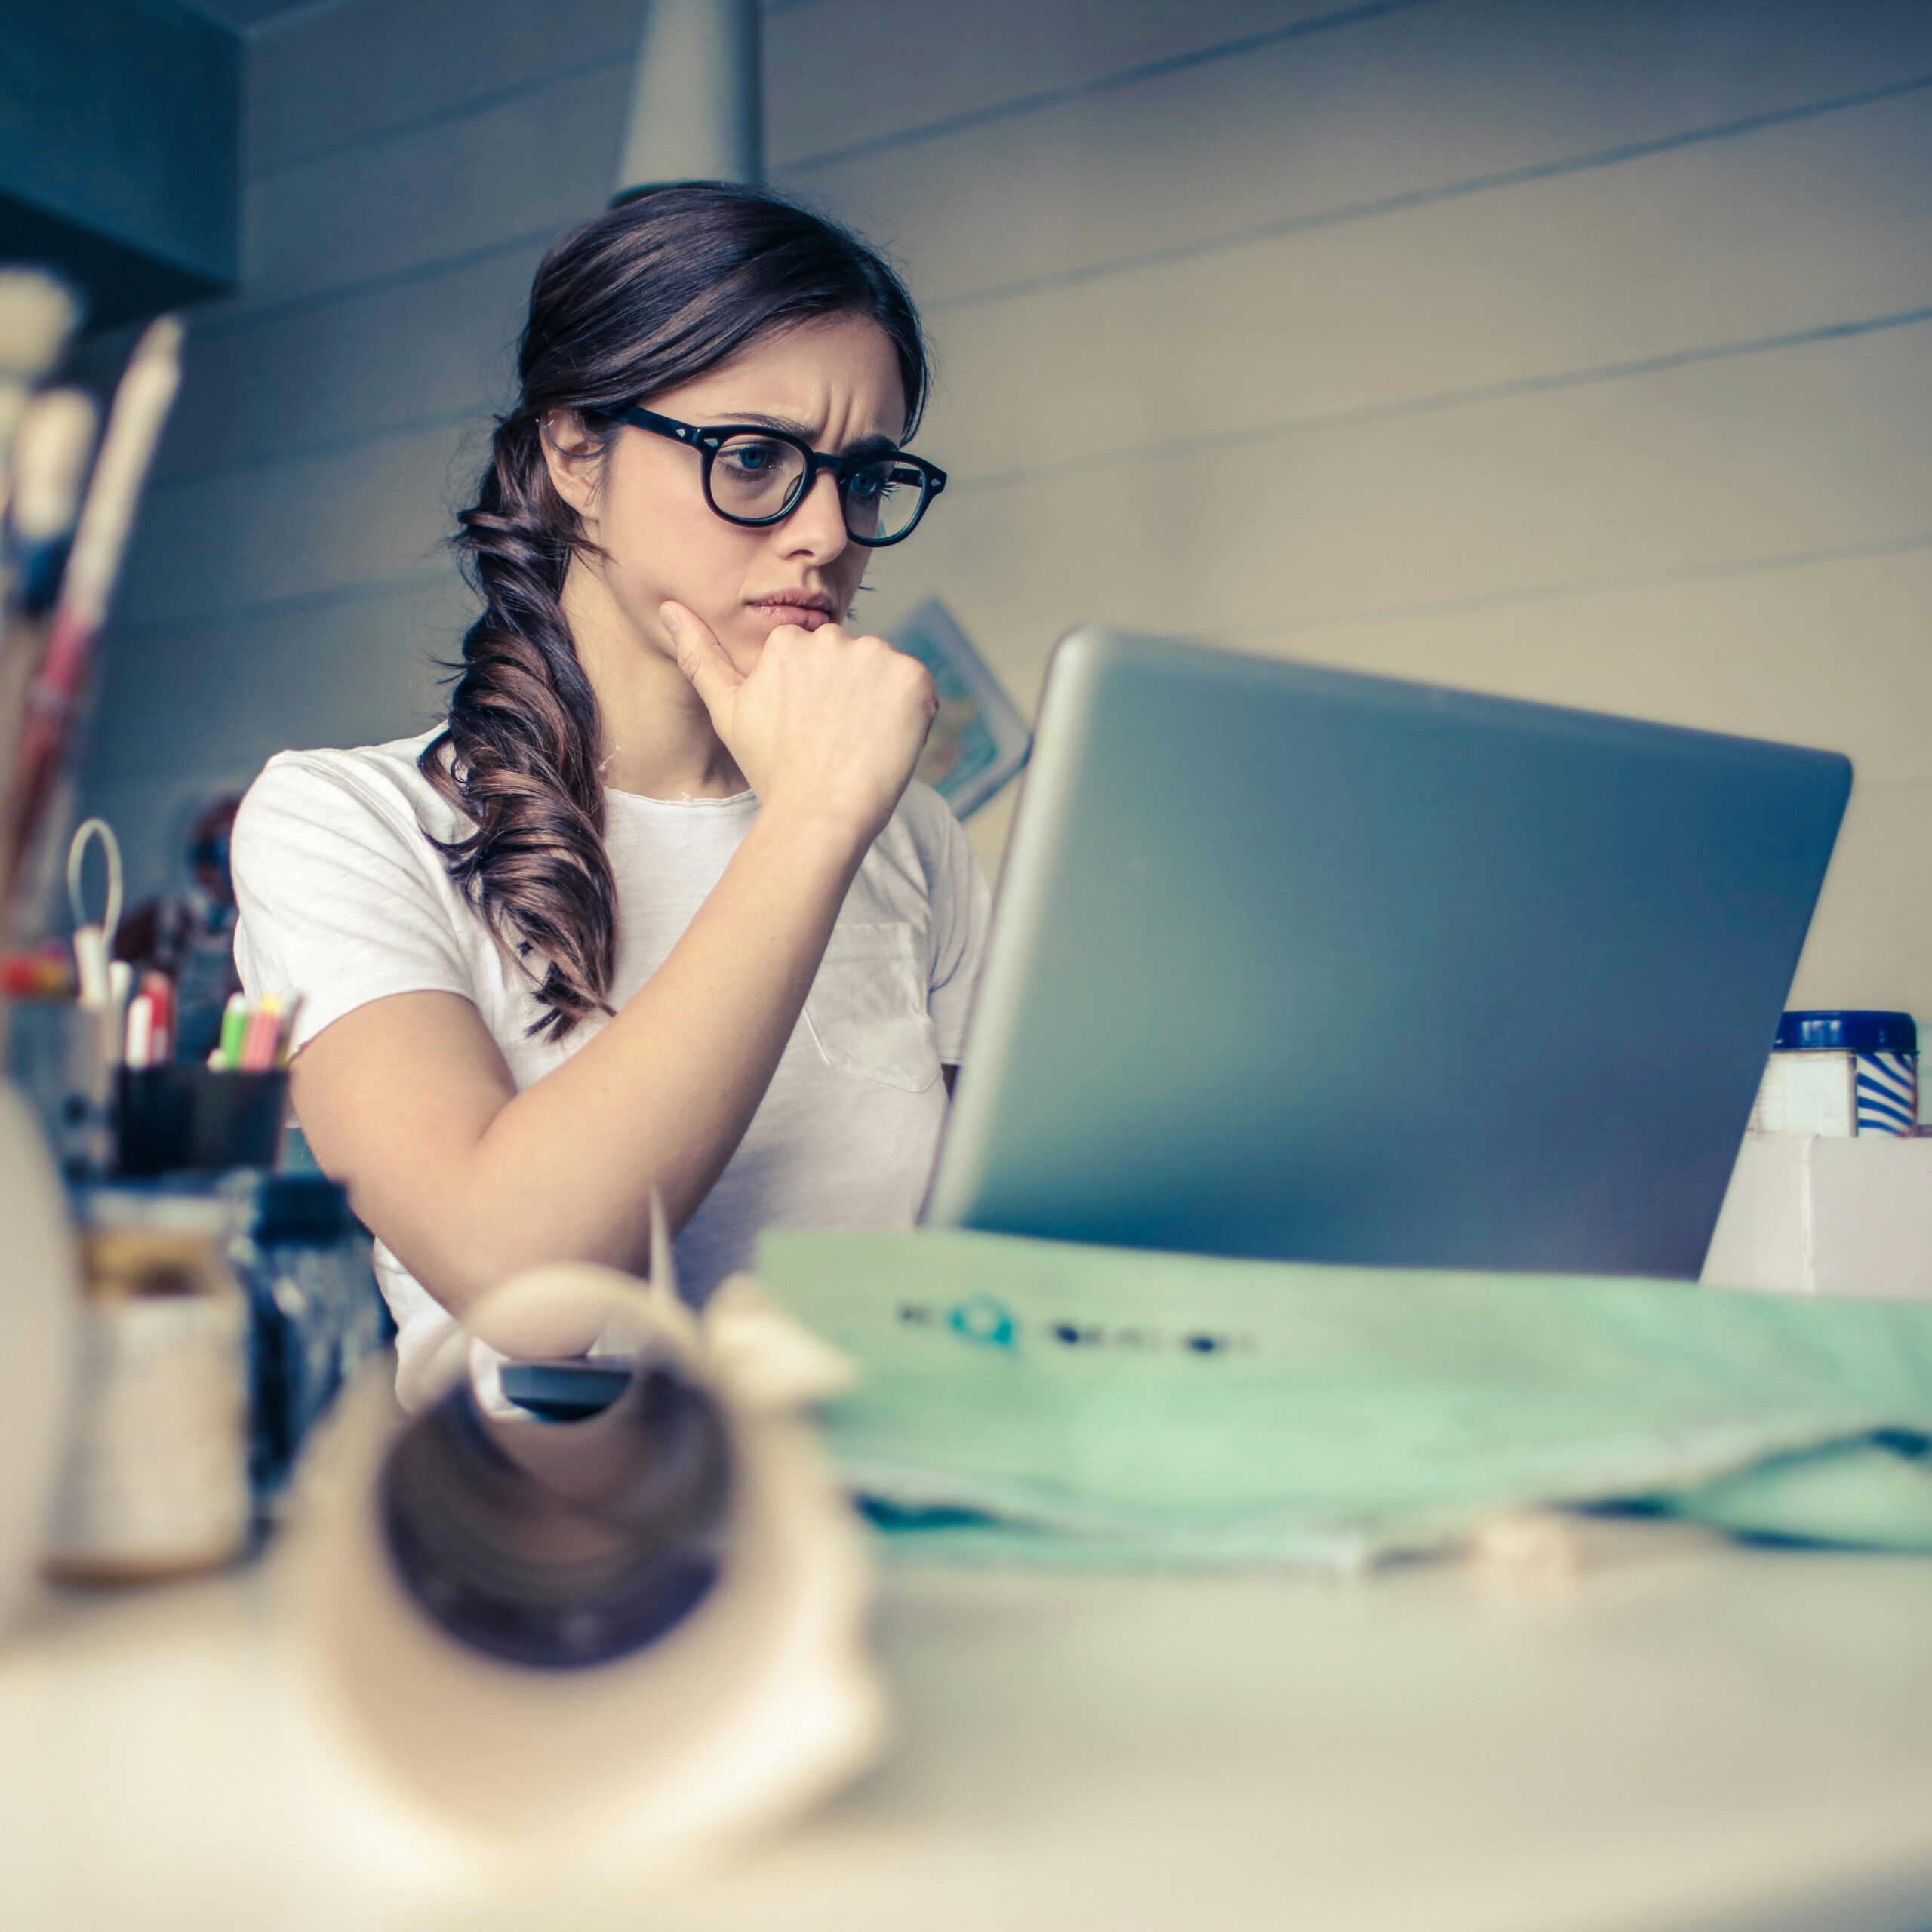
(744, 646)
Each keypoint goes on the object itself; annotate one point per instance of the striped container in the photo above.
(1841, 1074)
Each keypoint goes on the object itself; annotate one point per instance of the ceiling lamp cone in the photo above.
(697, 110)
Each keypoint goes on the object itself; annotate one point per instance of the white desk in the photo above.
(1689, 1733)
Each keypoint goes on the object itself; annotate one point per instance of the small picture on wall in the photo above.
(978, 741)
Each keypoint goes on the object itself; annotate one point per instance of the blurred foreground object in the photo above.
(40, 1298)
(625, 1622)
(155, 1483)
(1050, 1402)
(222, 1314)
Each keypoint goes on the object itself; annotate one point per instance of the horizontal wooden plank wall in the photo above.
(1577, 349)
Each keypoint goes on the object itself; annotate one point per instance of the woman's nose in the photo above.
(818, 524)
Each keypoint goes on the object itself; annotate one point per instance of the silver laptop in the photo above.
(1290, 962)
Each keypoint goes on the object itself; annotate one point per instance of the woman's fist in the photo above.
(824, 724)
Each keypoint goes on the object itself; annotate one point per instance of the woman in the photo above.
(659, 905)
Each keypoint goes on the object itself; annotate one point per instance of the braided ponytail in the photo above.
(645, 297)
(522, 737)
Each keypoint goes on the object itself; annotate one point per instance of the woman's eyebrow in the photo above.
(874, 445)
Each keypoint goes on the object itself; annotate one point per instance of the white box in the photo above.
(1827, 1216)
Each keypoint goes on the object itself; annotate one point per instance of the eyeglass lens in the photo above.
(758, 477)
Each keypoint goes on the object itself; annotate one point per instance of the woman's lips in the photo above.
(808, 616)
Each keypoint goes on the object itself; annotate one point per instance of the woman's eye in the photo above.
(752, 459)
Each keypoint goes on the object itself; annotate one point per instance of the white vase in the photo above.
(39, 1309)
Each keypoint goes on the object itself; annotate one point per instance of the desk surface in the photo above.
(1684, 1734)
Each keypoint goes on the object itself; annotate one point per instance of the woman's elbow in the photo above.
(466, 1260)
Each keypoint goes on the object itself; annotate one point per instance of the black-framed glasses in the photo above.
(753, 475)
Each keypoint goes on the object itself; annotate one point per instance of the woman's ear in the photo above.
(575, 458)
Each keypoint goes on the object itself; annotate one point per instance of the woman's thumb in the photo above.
(700, 656)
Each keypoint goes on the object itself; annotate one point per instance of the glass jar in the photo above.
(155, 1481)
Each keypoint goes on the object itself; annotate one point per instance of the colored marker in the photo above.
(158, 989)
(120, 990)
(234, 1027)
(139, 1050)
(258, 1041)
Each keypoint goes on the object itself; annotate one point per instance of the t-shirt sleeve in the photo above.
(961, 910)
(339, 898)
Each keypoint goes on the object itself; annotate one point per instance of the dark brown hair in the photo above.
(647, 297)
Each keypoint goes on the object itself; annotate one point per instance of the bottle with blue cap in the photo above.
(1841, 1074)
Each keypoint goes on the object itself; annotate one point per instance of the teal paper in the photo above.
(1042, 1400)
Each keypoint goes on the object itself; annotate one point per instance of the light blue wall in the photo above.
(1577, 348)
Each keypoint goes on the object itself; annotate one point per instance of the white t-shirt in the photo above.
(344, 900)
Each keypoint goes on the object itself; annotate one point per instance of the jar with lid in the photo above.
(155, 1481)
(1841, 1073)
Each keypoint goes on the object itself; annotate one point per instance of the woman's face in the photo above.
(835, 383)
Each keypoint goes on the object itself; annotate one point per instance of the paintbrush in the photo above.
(51, 455)
(51, 452)
(38, 313)
(141, 402)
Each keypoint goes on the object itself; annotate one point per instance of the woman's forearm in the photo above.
(664, 1092)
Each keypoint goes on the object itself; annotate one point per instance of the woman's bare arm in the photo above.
(408, 1100)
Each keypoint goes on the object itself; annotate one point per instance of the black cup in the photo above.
(182, 1118)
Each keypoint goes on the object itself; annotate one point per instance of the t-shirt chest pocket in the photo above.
(866, 1011)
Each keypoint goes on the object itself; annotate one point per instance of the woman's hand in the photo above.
(826, 724)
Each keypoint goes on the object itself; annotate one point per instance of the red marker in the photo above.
(158, 989)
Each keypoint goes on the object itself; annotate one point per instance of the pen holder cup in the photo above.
(183, 1117)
